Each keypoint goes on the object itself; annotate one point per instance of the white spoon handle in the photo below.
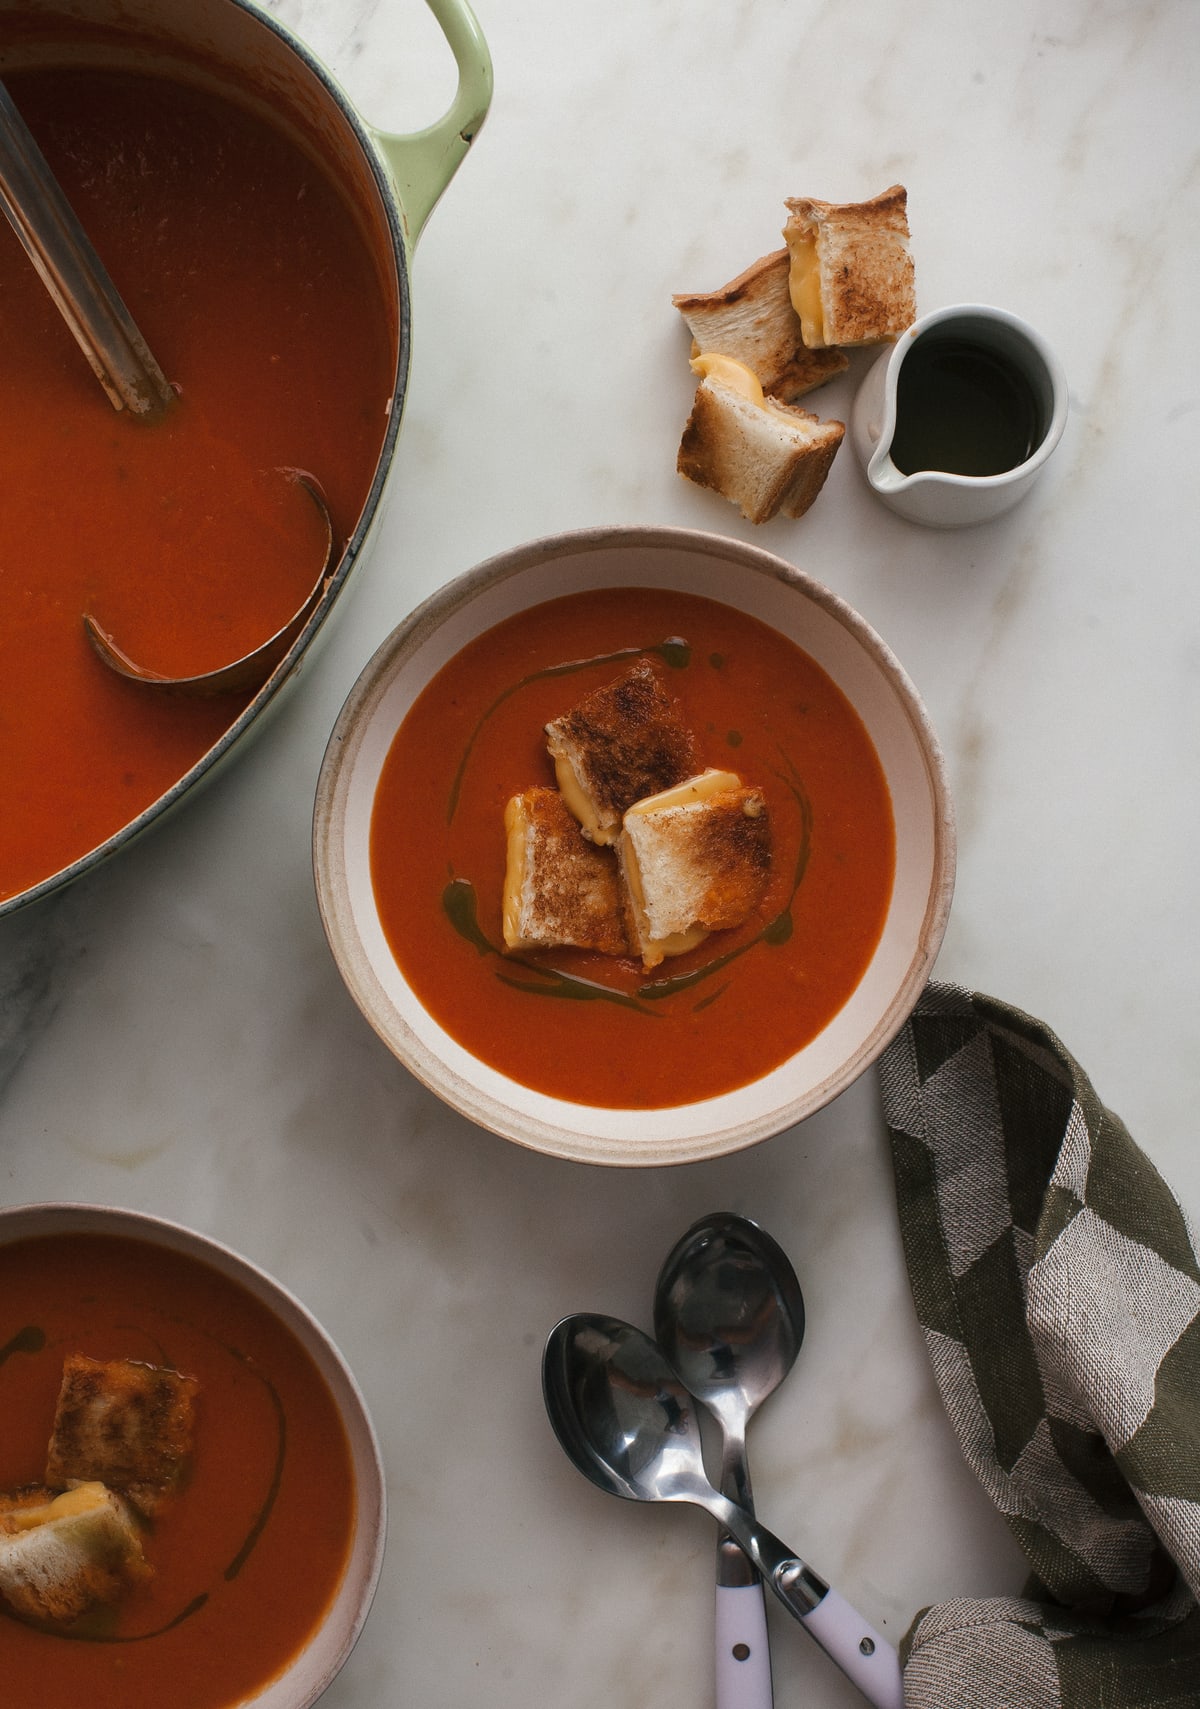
(860, 1652)
(743, 1659)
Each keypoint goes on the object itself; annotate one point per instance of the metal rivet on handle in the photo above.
(867, 1646)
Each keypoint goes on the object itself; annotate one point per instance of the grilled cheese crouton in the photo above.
(851, 274)
(695, 859)
(560, 890)
(753, 320)
(766, 457)
(620, 743)
(124, 1423)
(62, 1555)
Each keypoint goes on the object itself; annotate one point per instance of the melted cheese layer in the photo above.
(804, 285)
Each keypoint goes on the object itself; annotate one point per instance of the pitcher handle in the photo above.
(424, 162)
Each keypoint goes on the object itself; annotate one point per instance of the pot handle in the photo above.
(424, 162)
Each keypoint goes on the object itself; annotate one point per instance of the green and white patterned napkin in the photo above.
(1057, 1283)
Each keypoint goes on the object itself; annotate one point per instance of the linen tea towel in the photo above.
(1057, 1283)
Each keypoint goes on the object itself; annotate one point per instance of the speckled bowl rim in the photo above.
(824, 625)
(313, 1667)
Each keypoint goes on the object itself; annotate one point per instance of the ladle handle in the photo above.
(73, 273)
(866, 1658)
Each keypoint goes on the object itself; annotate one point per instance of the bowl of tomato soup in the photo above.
(594, 1056)
(259, 1554)
(261, 234)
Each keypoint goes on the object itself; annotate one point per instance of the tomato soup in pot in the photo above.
(265, 284)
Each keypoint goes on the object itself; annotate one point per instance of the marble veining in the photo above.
(174, 1036)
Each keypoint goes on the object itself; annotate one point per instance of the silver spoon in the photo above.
(729, 1315)
(73, 273)
(627, 1423)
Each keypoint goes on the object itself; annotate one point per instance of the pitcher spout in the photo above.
(883, 474)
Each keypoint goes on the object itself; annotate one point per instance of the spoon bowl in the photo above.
(621, 1414)
(627, 1423)
(729, 1315)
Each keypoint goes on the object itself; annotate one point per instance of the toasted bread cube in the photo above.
(63, 1555)
(753, 320)
(625, 740)
(127, 1424)
(695, 859)
(560, 890)
(852, 278)
(767, 458)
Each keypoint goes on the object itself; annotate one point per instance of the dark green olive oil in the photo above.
(963, 410)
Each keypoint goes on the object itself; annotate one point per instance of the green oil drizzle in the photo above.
(31, 1339)
(570, 985)
(458, 900)
(258, 1525)
(674, 652)
(94, 1628)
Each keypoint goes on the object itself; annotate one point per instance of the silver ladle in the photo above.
(627, 1423)
(253, 668)
(729, 1316)
(79, 283)
(73, 273)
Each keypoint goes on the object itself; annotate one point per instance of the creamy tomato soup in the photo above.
(600, 1029)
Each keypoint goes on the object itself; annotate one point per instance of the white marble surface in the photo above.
(174, 1036)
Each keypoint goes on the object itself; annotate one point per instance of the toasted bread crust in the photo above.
(730, 845)
(704, 864)
(64, 1567)
(570, 895)
(625, 741)
(766, 459)
(125, 1424)
(865, 269)
(752, 319)
(15, 1501)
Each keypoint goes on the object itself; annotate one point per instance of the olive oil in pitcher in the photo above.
(963, 410)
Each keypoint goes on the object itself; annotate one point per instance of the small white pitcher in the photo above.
(977, 338)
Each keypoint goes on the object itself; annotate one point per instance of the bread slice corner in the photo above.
(752, 319)
(768, 458)
(851, 274)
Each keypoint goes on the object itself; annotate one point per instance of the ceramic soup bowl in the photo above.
(787, 601)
